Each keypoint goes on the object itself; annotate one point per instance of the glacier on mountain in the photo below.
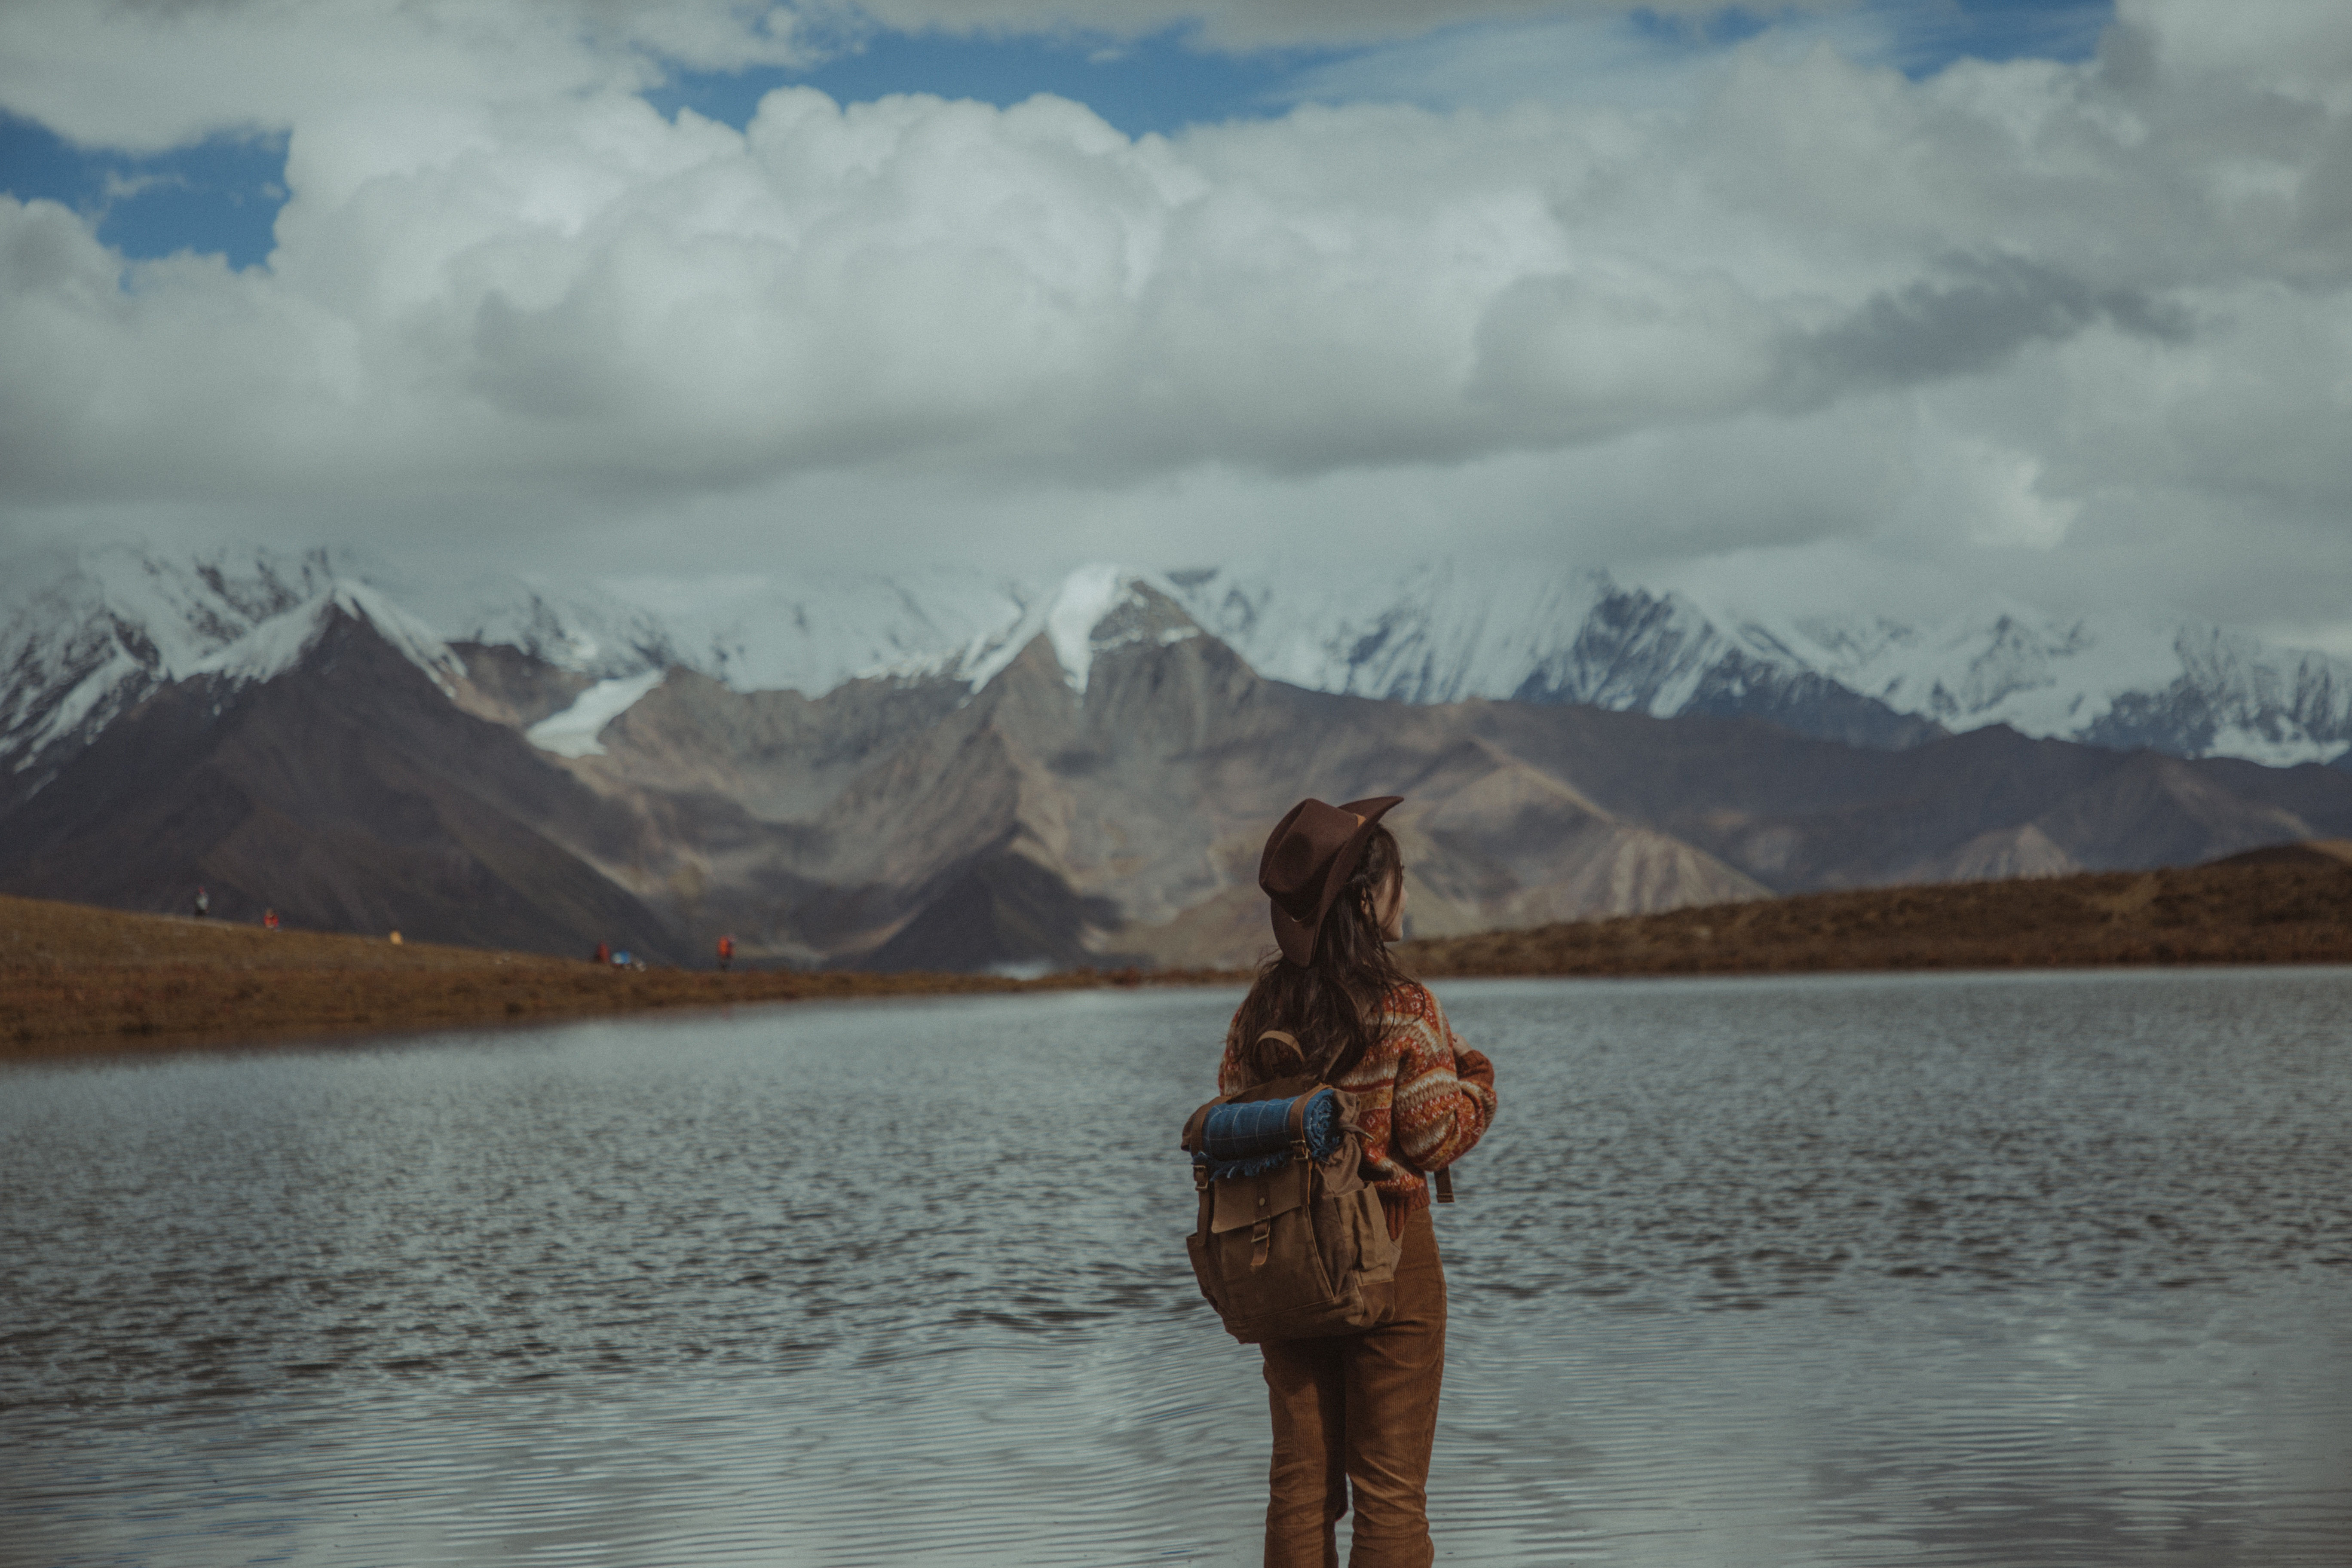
(1079, 618)
(573, 731)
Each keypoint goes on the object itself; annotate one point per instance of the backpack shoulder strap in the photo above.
(1287, 1038)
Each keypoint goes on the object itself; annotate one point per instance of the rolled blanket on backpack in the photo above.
(1253, 1138)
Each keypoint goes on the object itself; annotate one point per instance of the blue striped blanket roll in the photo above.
(1253, 1138)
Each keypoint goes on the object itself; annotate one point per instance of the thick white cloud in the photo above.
(145, 75)
(2078, 329)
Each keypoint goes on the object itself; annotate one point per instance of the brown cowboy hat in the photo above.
(1308, 857)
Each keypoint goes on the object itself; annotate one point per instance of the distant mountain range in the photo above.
(82, 636)
(940, 772)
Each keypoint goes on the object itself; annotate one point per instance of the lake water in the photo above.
(2012, 1271)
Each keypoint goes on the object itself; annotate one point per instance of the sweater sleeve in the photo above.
(1440, 1111)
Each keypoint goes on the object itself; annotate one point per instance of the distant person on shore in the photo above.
(1358, 1413)
(204, 903)
(603, 954)
(726, 952)
(270, 920)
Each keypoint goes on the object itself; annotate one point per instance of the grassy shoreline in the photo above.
(2290, 905)
(77, 980)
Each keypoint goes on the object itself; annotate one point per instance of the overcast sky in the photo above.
(1875, 304)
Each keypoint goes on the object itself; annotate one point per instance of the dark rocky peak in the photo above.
(513, 686)
(1159, 696)
(1031, 699)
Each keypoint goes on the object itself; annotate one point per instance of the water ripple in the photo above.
(2029, 1270)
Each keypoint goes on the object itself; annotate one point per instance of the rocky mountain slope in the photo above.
(328, 766)
(1088, 785)
(1103, 803)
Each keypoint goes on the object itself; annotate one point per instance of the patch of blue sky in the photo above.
(1920, 36)
(1929, 34)
(1648, 59)
(1711, 30)
(220, 196)
(1161, 83)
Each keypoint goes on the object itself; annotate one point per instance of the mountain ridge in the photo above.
(348, 788)
(1087, 785)
(111, 624)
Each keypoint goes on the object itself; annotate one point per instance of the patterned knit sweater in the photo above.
(1409, 1093)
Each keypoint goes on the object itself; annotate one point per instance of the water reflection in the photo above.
(2050, 1269)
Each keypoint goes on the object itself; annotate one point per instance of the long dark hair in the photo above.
(1332, 1003)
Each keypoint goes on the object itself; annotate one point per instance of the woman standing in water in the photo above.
(1359, 1410)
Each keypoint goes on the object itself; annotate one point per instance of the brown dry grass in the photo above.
(75, 979)
(2291, 905)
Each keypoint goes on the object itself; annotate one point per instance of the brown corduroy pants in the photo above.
(1360, 1409)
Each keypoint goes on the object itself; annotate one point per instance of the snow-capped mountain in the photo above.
(2125, 681)
(1074, 771)
(585, 631)
(112, 625)
(1442, 634)
(90, 641)
(755, 632)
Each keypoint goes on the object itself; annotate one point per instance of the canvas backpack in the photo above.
(1289, 1246)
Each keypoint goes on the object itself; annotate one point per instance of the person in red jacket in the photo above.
(725, 952)
(1357, 1414)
